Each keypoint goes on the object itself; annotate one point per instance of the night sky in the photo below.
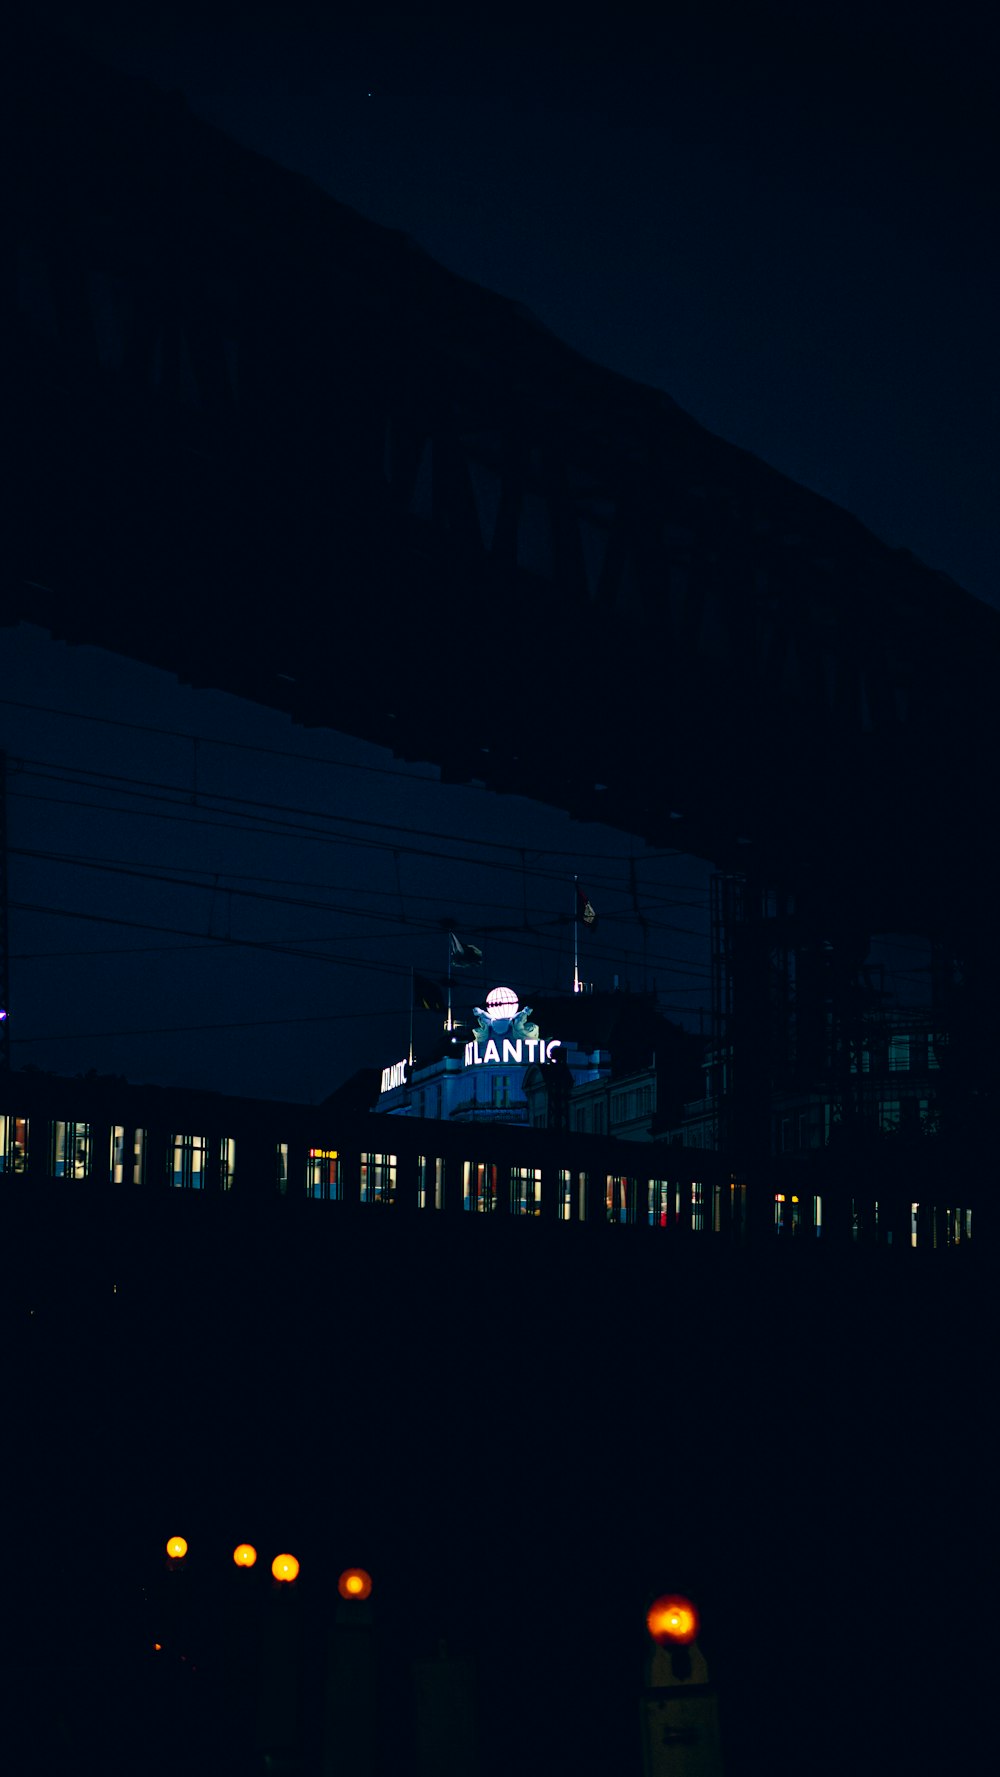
(788, 227)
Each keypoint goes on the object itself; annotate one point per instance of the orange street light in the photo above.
(177, 1548)
(672, 1621)
(354, 1582)
(244, 1554)
(285, 1567)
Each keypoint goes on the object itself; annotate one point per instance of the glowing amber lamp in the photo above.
(672, 1621)
(177, 1548)
(285, 1567)
(244, 1555)
(354, 1582)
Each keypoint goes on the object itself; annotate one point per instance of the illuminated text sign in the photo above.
(532, 1050)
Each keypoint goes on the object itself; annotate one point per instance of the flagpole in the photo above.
(412, 990)
(576, 934)
(448, 1025)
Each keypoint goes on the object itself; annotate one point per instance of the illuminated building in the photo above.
(562, 1064)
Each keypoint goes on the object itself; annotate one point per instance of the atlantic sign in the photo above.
(504, 1034)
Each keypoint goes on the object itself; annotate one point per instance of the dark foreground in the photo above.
(524, 1434)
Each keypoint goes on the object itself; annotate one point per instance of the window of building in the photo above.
(227, 1162)
(378, 1178)
(190, 1153)
(323, 1174)
(599, 1117)
(13, 1144)
(139, 1157)
(697, 1207)
(899, 1054)
(281, 1168)
(70, 1150)
(581, 1120)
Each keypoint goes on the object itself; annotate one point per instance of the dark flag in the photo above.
(584, 910)
(428, 994)
(464, 956)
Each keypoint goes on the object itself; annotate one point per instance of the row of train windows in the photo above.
(71, 1154)
(659, 1202)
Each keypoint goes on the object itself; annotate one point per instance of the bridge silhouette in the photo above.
(271, 447)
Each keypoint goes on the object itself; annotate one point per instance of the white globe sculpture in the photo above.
(501, 1002)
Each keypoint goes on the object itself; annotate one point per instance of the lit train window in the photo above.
(13, 1144)
(70, 1150)
(323, 1179)
(378, 1178)
(659, 1203)
(430, 1182)
(526, 1190)
(189, 1153)
(116, 1158)
(619, 1198)
(479, 1181)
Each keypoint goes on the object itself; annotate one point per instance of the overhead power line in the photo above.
(187, 796)
(526, 940)
(538, 921)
